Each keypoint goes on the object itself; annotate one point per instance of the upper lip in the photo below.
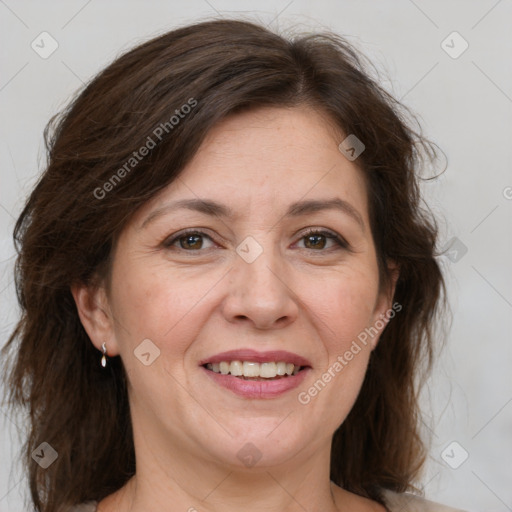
(247, 354)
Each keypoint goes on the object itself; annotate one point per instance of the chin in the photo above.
(261, 444)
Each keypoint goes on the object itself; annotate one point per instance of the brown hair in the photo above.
(68, 228)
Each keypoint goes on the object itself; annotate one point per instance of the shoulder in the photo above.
(89, 506)
(401, 502)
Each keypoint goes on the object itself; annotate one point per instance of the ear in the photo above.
(385, 309)
(95, 314)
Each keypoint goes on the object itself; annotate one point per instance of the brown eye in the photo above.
(188, 241)
(318, 240)
(191, 242)
(315, 241)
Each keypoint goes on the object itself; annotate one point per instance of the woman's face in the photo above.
(251, 279)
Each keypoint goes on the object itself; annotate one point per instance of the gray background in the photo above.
(465, 106)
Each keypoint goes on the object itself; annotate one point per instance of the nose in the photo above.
(260, 293)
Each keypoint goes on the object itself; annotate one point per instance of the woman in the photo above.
(228, 286)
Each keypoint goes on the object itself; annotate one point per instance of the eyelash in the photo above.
(339, 241)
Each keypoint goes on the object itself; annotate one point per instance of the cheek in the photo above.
(343, 303)
(154, 302)
(343, 307)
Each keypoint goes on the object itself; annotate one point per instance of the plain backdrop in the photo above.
(461, 87)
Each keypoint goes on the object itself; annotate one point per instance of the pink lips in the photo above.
(260, 389)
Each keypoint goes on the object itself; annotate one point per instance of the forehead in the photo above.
(267, 159)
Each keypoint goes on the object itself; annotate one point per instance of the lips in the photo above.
(256, 387)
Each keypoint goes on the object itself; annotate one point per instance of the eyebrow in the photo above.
(215, 209)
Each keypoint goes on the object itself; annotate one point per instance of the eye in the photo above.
(191, 240)
(316, 239)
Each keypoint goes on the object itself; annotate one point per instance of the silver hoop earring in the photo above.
(103, 357)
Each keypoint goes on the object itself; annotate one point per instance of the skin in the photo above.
(193, 301)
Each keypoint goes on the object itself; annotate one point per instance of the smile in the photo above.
(254, 370)
(256, 375)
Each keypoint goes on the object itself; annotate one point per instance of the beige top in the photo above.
(406, 502)
(395, 503)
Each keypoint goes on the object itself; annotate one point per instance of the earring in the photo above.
(103, 357)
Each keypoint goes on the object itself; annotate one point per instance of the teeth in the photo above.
(236, 368)
(281, 368)
(251, 369)
(268, 370)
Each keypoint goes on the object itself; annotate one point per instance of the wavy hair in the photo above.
(68, 228)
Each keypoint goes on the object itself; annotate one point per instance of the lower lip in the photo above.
(258, 388)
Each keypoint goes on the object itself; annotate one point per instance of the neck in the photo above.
(168, 480)
(233, 492)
